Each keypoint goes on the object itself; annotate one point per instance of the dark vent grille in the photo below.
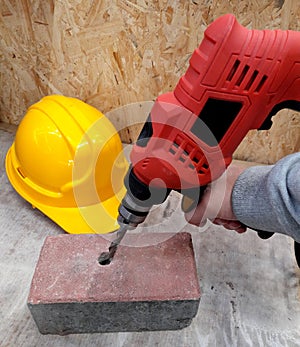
(251, 80)
(187, 151)
(261, 83)
(233, 70)
(241, 75)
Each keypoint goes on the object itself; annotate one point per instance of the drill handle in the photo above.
(188, 203)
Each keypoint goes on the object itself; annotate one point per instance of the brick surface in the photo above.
(144, 288)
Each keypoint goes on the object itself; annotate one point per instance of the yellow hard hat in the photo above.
(67, 160)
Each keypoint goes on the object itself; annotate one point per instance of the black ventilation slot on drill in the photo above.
(176, 143)
(251, 80)
(215, 119)
(172, 150)
(261, 84)
(233, 70)
(174, 147)
(203, 168)
(242, 75)
(195, 160)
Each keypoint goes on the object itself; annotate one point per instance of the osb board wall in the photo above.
(112, 53)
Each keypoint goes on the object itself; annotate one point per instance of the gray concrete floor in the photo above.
(250, 287)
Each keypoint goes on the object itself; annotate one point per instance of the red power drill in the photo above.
(236, 81)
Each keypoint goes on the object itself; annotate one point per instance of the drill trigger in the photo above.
(188, 204)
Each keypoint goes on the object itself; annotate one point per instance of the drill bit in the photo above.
(105, 258)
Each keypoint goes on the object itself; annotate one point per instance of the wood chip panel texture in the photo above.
(112, 53)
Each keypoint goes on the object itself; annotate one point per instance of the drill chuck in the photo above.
(132, 213)
(138, 200)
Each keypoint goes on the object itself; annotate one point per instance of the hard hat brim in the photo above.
(100, 218)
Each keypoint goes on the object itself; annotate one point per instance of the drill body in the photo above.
(236, 81)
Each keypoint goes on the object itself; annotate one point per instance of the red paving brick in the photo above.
(144, 288)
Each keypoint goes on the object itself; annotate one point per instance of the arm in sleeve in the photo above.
(268, 197)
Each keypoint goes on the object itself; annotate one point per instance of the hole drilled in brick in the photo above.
(103, 260)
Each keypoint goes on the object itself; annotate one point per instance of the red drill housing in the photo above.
(236, 81)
